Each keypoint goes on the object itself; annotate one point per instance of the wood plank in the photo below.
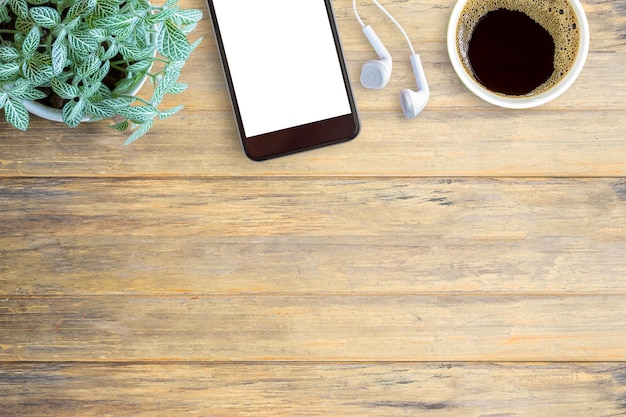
(326, 236)
(580, 134)
(530, 143)
(314, 328)
(441, 389)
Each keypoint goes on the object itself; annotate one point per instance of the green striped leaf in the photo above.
(177, 88)
(170, 112)
(102, 72)
(31, 42)
(37, 72)
(110, 52)
(64, 90)
(83, 42)
(161, 16)
(121, 126)
(172, 42)
(23, 90)
(45, 16)
(16, 114)
(59, 56)
(117, 103)
(8, 53)
(106, 8)
(99, 110)
(23, 26)
(20, 8)
(138, 114)
(142, 130)
(187, 17)
(8, 70)
(73, 112)
(118, 23)
(81, 9)
(89, 66)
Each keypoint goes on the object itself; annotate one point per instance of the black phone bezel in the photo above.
(298, 138)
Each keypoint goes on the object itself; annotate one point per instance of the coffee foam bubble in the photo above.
(556, 16)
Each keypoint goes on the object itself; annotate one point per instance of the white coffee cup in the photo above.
(460, 61)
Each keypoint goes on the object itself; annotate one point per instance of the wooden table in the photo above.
(468, 263)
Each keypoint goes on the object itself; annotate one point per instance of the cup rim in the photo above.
(519, 102)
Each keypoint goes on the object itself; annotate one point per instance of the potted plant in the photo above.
(86, 59)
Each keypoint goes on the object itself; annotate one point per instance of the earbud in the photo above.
(376, 73)
(413, 102)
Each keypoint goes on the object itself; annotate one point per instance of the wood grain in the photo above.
(325, 236)
(467, 263)
(314, 328)
(531, 143)
(400, 389)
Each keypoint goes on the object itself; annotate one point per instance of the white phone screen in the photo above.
(283, 62)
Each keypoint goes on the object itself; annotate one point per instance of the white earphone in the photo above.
(376, 73)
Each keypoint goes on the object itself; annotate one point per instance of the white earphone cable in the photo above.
(380, 6)
(356, 13)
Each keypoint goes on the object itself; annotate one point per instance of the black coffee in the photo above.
(517, 48)
(510, 53)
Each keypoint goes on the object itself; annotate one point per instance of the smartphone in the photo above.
(286, 74)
